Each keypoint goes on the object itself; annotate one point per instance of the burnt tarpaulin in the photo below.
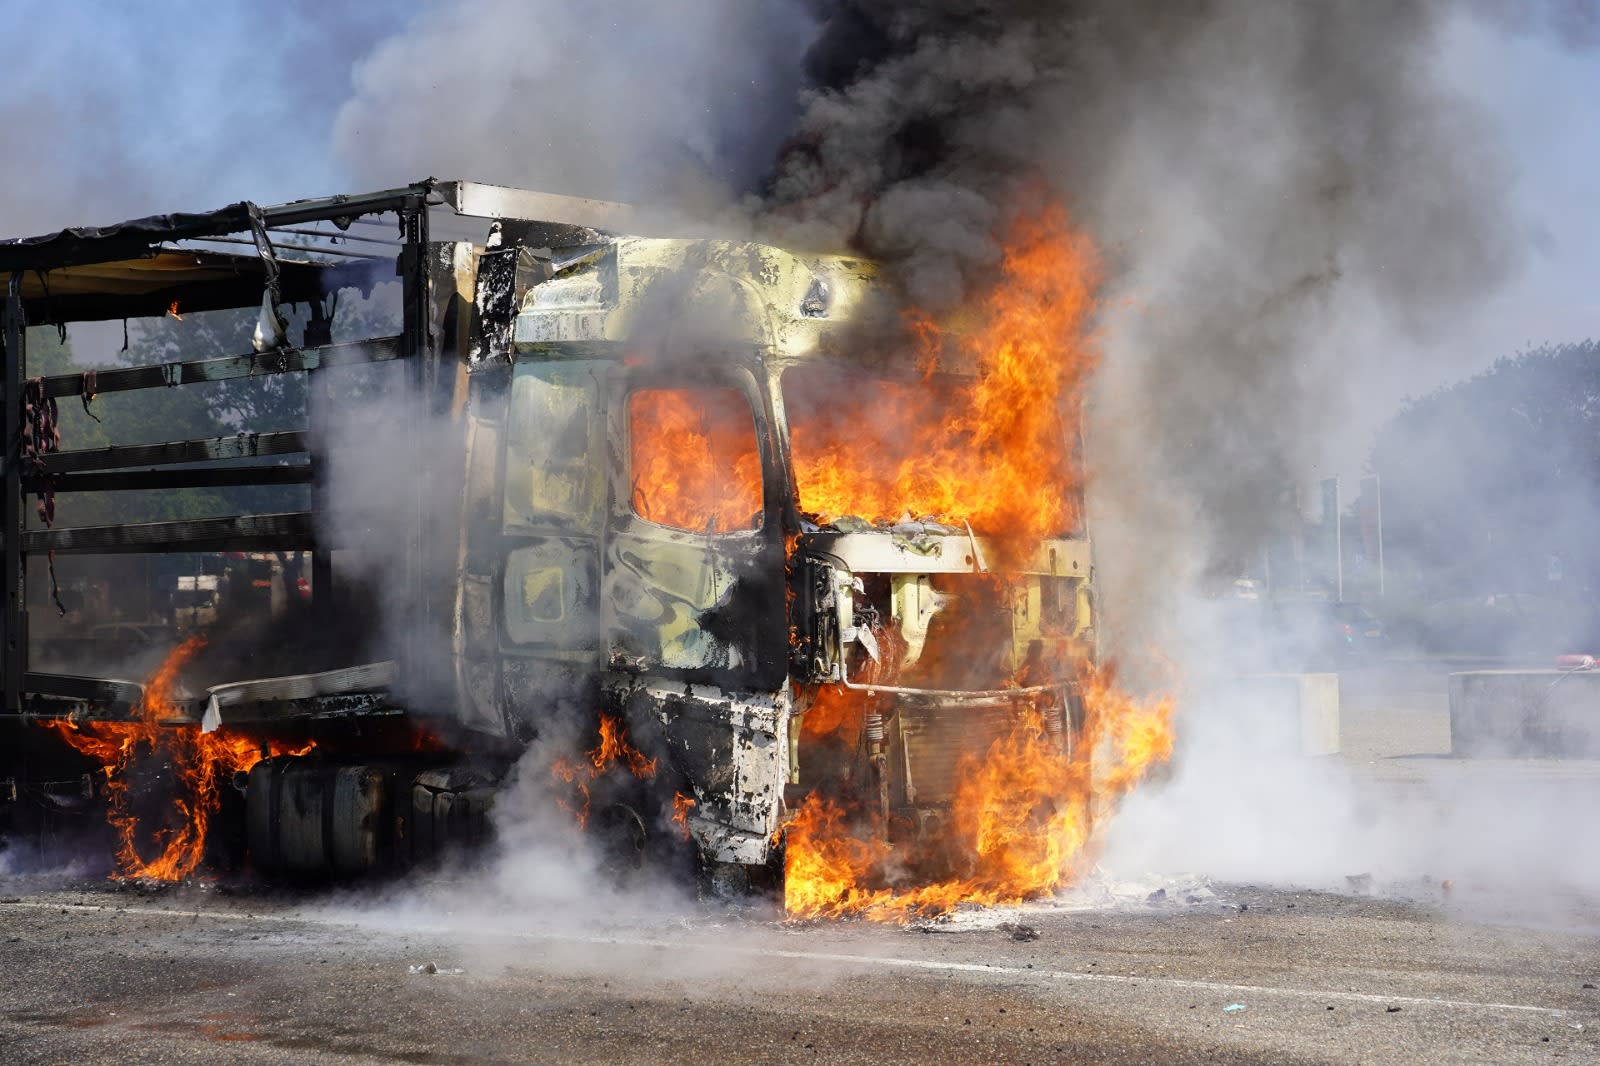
(93, 244)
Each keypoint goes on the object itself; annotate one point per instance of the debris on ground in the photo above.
(1100, 892)
(1018, 931)
(432, 968)
(1233, 1008)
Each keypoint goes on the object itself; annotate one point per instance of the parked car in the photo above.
(1326, 634)
(1506, 623)
(133, 634)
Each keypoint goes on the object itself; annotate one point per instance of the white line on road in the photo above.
(890, 962)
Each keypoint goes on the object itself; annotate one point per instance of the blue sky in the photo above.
(1544, 99)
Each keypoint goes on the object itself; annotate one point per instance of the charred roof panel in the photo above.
(197, 280)
(124, 240)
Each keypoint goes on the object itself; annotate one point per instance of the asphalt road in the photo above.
(1240, 975)
(1175, 970)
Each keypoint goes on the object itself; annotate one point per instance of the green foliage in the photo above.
(122, 418)
(212, 409)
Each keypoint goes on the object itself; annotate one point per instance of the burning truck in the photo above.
(776, 583)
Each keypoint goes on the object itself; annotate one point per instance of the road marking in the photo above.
(1062, 975)
(891, 962)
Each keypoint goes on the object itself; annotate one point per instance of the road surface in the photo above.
(1167, 970)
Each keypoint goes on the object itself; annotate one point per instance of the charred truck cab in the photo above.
(649, 410)
(621, 527)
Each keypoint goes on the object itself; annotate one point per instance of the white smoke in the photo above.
(619, 99)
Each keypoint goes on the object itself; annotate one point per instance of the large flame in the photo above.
(997, 449)
(1018, 828)
(694, 459)
(198, 763)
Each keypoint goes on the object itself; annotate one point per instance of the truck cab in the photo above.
(651, 439)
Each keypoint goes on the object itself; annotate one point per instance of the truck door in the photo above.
(693, 576)
(552, 523)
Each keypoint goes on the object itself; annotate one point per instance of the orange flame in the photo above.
(612, 750)
(827, 866)
(997, 450)
(681, 806)
(199, 763)
(835, 711)
(695, 463)
(1018, 828)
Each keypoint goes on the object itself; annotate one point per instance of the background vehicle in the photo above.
(195, 602)
(1504, 623)
(1327, 634)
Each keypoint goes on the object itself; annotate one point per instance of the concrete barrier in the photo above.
(1520, 713)
(1286, 713)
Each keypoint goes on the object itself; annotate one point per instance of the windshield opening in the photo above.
(870, 447)
(694, 460)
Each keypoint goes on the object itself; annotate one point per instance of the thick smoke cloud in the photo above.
(623, 99)
(1278, 188)
(1276, 185)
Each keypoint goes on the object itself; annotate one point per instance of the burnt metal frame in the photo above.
(131, 242)
(13, 616)
(237, 532)
(249, 365)
(422, 365)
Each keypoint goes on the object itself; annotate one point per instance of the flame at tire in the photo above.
(612, 751)
(174, 848)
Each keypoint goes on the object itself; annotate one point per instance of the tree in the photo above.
(1493, 484)
(147, 416)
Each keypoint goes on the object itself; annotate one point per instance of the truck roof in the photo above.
(136, 268)
(783, 302)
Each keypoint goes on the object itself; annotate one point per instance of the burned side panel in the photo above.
(693, 565)
(733, 755)
(550, 528)
(477, 660)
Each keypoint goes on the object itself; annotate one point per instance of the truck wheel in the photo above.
(724, 881)
(623, 839)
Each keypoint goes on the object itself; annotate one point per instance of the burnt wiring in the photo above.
(44, 287)
(88, 391)
(41, 435)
